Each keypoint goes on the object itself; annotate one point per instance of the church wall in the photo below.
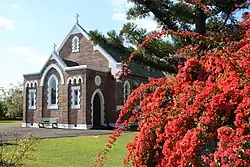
(51, 112)
(108, 90)
(134, 83)
(86, 56)
(29, 115)
(77, 116)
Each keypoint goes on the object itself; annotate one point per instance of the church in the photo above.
(77, 88)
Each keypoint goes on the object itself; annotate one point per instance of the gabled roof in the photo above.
(137, 69)
(78, 29)
(59, 60)
(110, 53)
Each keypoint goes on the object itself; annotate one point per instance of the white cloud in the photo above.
(120, 3)
(14, 6)
(19, 60)
(147, 23)
(28, 55)
(6, 23)
(121, 6)
(119, 16)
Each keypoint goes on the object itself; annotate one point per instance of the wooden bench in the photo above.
(48, 121)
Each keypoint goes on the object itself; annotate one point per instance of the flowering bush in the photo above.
(201, 116)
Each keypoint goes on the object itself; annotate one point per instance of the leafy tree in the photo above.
(2, 110)
(13, 101)
(203, 17)
(188, 15)
(200, 117)
(15, 153)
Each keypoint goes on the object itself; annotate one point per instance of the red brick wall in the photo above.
(86, 56)
(112, 90)
(51, 112)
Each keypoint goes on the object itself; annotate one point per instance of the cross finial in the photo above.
(77, 18)
(54, 47)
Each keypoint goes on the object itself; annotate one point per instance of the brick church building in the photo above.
(78, 85)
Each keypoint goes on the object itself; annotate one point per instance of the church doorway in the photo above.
(97, 111)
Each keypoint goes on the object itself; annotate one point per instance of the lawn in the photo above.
(78, 152)
(9, 122)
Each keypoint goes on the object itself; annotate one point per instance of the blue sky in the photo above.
(29, 28)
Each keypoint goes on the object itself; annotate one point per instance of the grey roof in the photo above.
(70, 63)
(137, 69)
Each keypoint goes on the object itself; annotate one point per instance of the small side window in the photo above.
(75, 44)
(32, 99)
(75, 97)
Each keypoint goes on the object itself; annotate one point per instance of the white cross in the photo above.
(77, 18)
(54, 47)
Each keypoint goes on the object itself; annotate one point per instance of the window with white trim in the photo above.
(126, 91)
(75, 44)
(52, 92)
(142, 94)
(75, 97)
(32, 99)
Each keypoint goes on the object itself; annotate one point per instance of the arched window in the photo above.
(142, 95)
(75, 44)
(32, 99)
(53, 92)
(126, 91)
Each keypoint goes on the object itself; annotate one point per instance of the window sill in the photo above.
(32, 107)
(119, 107)
(75, 51)
(53, 107)
(75, 106)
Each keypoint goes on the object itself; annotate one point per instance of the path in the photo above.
(9, 130)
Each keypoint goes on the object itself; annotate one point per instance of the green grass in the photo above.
(9, 122)
(78, 152)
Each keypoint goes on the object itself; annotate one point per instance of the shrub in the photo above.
(201, 116)
(13, 153)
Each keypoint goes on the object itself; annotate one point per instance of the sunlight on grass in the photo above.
(9, 122)
(78, 152)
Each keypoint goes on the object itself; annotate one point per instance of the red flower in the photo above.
(208, 101)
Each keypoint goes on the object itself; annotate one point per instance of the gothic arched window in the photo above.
(126, 91)
(53, 92)
(75, 44)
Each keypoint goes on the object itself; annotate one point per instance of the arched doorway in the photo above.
(96, 111)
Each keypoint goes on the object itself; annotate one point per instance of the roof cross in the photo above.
(77, 18)
(54, 47)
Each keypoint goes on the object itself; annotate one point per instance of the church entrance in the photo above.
(97, 111)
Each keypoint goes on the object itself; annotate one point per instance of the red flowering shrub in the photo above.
(200, 117)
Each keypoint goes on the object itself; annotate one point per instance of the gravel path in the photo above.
(10, 130)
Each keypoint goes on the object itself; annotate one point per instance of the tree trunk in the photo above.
(200, 22)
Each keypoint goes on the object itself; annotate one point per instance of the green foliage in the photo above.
(2, 110)
(177, 16)
(13, 154)
(154, 55)
(12, 103)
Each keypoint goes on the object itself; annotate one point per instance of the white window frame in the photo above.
(77, 47)
(30, 106)
(142, 94)
(49, 105)
(73, 89)
(126, 84)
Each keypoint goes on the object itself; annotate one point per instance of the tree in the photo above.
(188, 15)
(150, 56)
(201, 116)
(2, 110)
(205, 17)
(13, 101)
